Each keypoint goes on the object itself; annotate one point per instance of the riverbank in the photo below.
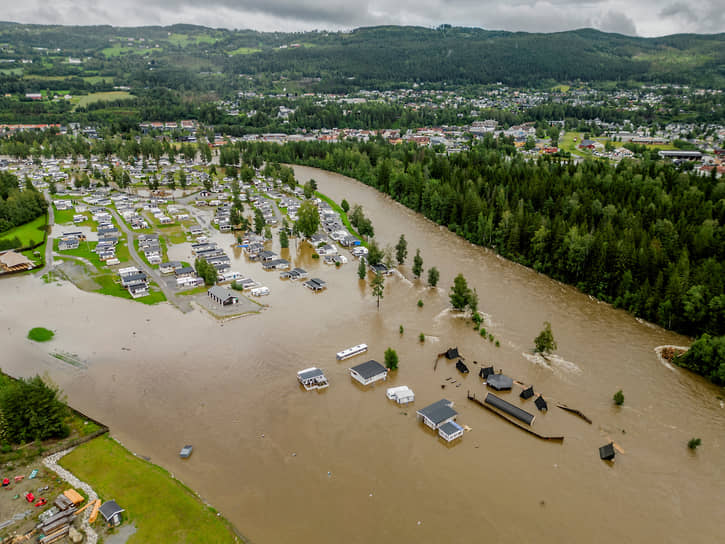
(162, 509)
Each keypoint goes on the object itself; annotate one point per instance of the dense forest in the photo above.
(641, 235)
(18, 207)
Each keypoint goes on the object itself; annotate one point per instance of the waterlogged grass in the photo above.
(245, 51)
(111, 287)
(40, 334)
(162, 509)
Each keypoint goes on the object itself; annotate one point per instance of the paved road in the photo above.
(48, 240)
(179, 302)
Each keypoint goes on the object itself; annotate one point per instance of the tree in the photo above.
(205, 271)
(258, 221)
(391, 359)
(433, 276)
(693, 443)
(378, 286)
(401, 249)
(309, 191)
(417, 264)
(32, 410)
(283, 239)
(268, 232)
(375, 254)
(618, 398)
(545, 343)
(345, 205)
(308, 219)
(460, 293)
(362, 271)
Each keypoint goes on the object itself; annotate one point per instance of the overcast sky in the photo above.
(639, 17)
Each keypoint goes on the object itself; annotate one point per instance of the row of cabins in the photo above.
(212, 254)
(135, 281)
(185, 275)
(150, 246)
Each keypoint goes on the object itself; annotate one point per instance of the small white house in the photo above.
(259, 291)
(369, 372)
(312, 378)
(401, 394)
(450, 430)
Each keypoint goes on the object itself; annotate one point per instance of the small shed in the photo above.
(499, 382)
(460, 365)
(541, 404)
(185, 452)
(452, 353)
(111, 512)
(606, 452)
(486, 371)
(527, 393)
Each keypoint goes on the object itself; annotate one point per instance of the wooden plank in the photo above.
(575, 412)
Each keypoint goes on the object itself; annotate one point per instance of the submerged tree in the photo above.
(391, 359)
(545, 343)
(433, 276)
(417, 264)
(460, 293)
(308, 219)
(283, 239)
(401, 249)
(378, 286)
(362, 270)
(618, 398)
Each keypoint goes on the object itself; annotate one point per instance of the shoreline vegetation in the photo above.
(590, 225)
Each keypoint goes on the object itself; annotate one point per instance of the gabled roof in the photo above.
(310, 373)
(369, 369)
(220, 292)
(109, 509)
(438, 411)
(499, 381)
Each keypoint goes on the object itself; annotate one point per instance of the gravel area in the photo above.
(51, 462)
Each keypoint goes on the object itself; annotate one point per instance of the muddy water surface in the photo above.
(346, 464)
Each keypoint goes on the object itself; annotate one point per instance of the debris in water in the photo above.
(329, 473)
(294, 454)
(419, 522)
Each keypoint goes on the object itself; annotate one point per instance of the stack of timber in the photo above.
(57, 526)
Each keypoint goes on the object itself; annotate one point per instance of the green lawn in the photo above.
(162, 509)
(101, 97)
(245, 51)
(66, 216)
(111, 287)
(29, 233)
(40, 334)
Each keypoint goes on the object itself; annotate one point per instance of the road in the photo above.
(179, 302)
(48, 239)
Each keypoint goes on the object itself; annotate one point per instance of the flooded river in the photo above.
(346, 464)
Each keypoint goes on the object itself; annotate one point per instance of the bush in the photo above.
(693, 443)
(39, 334)
(401, 329)
(420, 303)
(421, 337)
(618, 398)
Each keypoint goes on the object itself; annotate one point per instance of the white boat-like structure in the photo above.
(351, 352)
(312, 378)
(401, 394)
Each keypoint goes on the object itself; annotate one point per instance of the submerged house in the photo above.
(312, 378)
(541, 403)
(460, 365)
(486, 371)
(369, 372)
(499, 382)
(401, 394)
(440, 417)
(452, 353)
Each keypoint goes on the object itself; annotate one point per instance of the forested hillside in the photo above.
(198, 59)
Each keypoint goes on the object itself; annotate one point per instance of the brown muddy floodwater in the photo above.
(346, 464)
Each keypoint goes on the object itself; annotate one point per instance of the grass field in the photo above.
(336, 207)
(118, 50)
(183, 40)
(561, 88)
(245, 51)
(27, 233)
(567, 143)
(162, 509)
(102, 97)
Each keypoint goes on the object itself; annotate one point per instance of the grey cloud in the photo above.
(623, 16)
(615, 21)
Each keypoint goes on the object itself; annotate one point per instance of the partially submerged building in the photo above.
(440, 417)
(369, 372)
